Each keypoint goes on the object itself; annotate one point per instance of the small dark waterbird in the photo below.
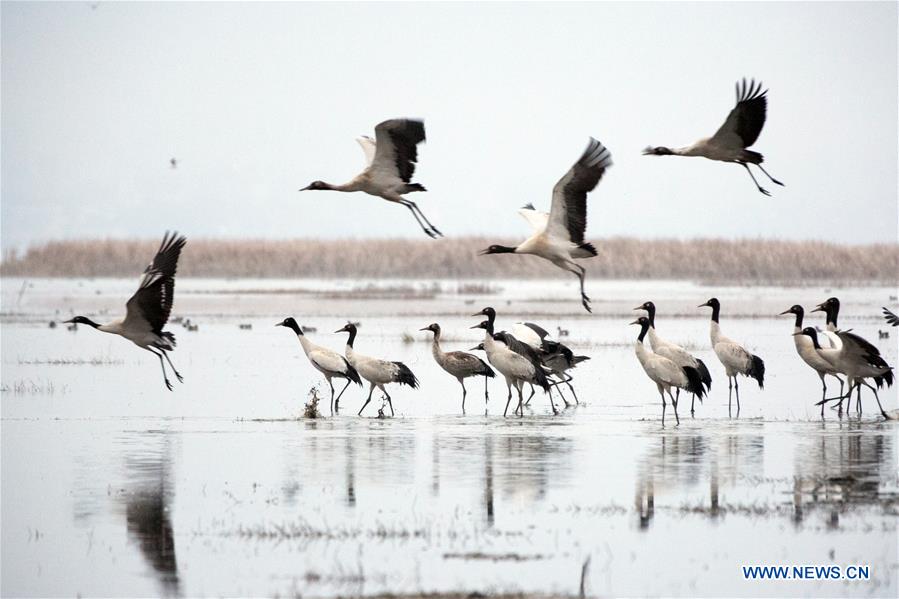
(148, 310)
(739, 131)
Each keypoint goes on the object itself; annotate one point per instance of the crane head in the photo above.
(657, 151)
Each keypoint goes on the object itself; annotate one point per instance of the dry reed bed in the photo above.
(707, 260)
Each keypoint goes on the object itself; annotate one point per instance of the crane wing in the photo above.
(369, 147)
(745, 121)
(535, 218)
(396, 147)
(891, 318)
(568, 214)
(328, 360)
(152, 303)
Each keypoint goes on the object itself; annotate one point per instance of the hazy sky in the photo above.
(257, 100)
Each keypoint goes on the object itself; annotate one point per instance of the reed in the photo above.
(705, 260)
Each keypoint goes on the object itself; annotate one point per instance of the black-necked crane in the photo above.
(515, 367)
(674, 352)
(891, 318)
(459, 364)
(329, 363)
(665, 373)
(806, 350)
(555, 356)
(559, 235)
(391, 157)
(858, 360)
(859, 353)
(739, 131)
(526, 341)
(733, 356)
(377, 372)
(147, 312)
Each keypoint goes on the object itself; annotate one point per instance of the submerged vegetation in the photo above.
(704, 260)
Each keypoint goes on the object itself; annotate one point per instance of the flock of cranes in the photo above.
(558, 236)
(526, 354)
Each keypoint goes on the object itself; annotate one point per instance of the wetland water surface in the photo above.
(113, 486)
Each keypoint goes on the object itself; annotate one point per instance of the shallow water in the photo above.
(114, 486)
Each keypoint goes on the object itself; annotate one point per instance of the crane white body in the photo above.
(376, 371)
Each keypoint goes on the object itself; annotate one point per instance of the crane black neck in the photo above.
(352, 338)
(716, 309)
(799, 316)
(651, 311)
(644, 327)
(87, 321)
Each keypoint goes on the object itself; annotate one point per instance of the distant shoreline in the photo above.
(701, 260)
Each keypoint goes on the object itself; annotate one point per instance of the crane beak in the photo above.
(305, 188)
(705, 305)
(475, 348)
(785, 312)
(648, 151)
(639, 308)
(819, 308)
(68, 321)
(425, 329)
(635, 322)
(477, 326)
(280, 324)
(799, 333)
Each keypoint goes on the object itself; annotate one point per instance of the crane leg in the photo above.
(737, 393)
(858, 398)
(509, 398)
(533, 391)
(370, 391)
(389, 401)
(486, 392)
(773, 180)
(165, 377)
(730, 393)
(330, 384)
(580, 273)
(520, 385)
(662, 393)
(339, 395)
(464, 393)
(426, 226)
(761, 189)
(823, 395)
(550, 393)
(169, 360)
(674, 403)
(882, 411)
